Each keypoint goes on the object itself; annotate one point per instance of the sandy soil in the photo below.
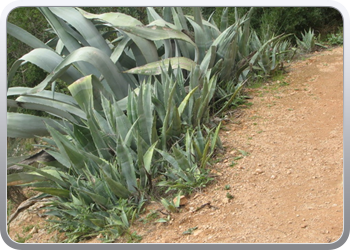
(283, 166)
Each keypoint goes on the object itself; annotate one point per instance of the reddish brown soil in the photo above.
(287, 189)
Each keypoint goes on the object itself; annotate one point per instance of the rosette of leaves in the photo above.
(81, 48)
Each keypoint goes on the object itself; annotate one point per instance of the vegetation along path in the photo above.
(280, 179)
(288, 185)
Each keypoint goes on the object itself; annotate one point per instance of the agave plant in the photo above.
(232, 53)
(138, 109)
(116, 156)
(80, 50)
(84, 46)
(307, 41)
(270, 54)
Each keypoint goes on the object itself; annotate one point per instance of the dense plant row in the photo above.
(136, 115)
(275, 19)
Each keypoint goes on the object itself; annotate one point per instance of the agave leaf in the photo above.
(207, 94)
(198, 16)
(113, 18)
(215, 140)
(99, 199)
(124, 219)
(88, 92)
(229, 61)
(100, 140)
(27, 126)
(181, 25)
(83, 26)
(145, 113)
(134, 135)
(200, 39)
(64, 193)
(50, 106)
(67, 149)
(152, 15)
(25, 36)
(156, 33)
(23, 178)
(243, 43)
(122, 123)
(60, 158)
(47, 60)
(81, 90)
(265, 45)
(34, 106)
(10, 161)
(189, 145)
(146, 48)
(224, 19)
(117, 83)
(153, 18)
(76, 201)
(181, 159)
(100, 223)
(168, 205)
(167, 14)
(108, 113)
(66, 35)
(185, 101)
(49, 174)
(119, 49)
(205, 156)
(45, 94)
(232, 98)
(174, 129)
(148, 156)
(223, 41)
(182, 18)
(117, 188)
(173, 162)
(125, 161)
(169, 158)
(162, 23)
(155, 68)
(166, 123)
(208, 60)
(199, 143)
(83, 138)
(68, 40)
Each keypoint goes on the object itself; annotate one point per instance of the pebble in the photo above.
(183, 200)
(226, 200)
(33, 231)
(196, 232)
(259, 171)
(273, 177)
(303, 225)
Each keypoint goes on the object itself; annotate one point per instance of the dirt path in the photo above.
(283, 166)
(289, 186)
